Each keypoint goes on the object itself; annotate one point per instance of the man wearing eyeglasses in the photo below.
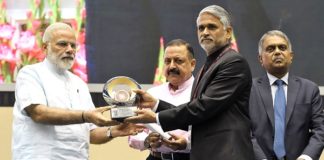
(286, 110)
(54, 116)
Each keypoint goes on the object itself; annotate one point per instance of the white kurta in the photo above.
(43, 83)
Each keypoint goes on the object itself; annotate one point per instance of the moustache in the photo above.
(277, 59)
(68, 57)
(174, 71)
(206, 38)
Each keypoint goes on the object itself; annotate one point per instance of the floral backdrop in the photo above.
(20, 42)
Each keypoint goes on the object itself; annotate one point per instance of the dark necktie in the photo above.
(280, 114)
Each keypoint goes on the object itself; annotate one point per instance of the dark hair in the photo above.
(180, 42)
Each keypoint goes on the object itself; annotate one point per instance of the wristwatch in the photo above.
(109, 135)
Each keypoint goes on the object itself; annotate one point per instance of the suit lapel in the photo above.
(196, 81)
(202, 77)
(293, 88)
(265, 92)
(201, 84)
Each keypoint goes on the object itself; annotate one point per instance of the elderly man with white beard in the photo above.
(54, 116)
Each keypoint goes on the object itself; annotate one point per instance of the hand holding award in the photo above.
(118, 92)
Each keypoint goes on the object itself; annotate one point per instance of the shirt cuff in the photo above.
(305, 157)
(156, 105)
(188, 147)
(157, 114)
(137, 141)
(157, 119)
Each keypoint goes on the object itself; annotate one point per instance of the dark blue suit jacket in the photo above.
(304, 133)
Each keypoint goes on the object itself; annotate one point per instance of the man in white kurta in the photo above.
(54, 117)
(43, 83)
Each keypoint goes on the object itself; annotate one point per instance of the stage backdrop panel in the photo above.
(123, 36)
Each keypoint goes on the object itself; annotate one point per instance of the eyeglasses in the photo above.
(64, 44)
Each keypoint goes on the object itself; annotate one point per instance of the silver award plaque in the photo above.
(118, 92)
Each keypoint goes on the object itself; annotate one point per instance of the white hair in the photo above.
(219, 12)
(53, 27)
(274, 33)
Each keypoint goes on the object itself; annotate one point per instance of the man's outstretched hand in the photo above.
(143, 116)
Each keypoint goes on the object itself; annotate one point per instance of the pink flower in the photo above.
(81, 38)
(80, 65)
(50, 13)
(74, 24)
(83, 13)
(81, 57)
(37, 2)
(26, 41)
(7, 57)
(6, 53)
(3, 5)
(6, 31)
(36, 24)
(1, 79)
(37, 53)
(29, 14)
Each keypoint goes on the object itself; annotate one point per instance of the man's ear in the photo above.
(229, 31)
(260, 59)
(193, 64)
(45, 47)
(292, 55)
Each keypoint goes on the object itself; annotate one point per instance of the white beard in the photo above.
(60, 63)
(208, 47)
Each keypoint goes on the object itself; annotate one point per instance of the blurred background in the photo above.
(123, 37)
(127, 37)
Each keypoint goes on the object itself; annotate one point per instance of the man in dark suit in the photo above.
(218, 109)
(297, 132)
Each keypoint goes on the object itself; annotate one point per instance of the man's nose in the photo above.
(172, 64)
(277, 51)
(205, 31)
(70, 49)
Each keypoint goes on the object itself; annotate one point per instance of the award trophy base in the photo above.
(122, 112)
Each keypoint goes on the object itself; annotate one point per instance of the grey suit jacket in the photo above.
(304, 132)
(219, 113)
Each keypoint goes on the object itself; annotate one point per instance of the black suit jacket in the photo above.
(304, 119)
(219, 112)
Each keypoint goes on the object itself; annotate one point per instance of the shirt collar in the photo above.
(181, 87)
(272, 78)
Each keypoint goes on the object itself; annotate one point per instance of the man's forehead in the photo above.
(63, 35)
(63, 32)
(275, 40)
(177, 49)
(208, 17)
